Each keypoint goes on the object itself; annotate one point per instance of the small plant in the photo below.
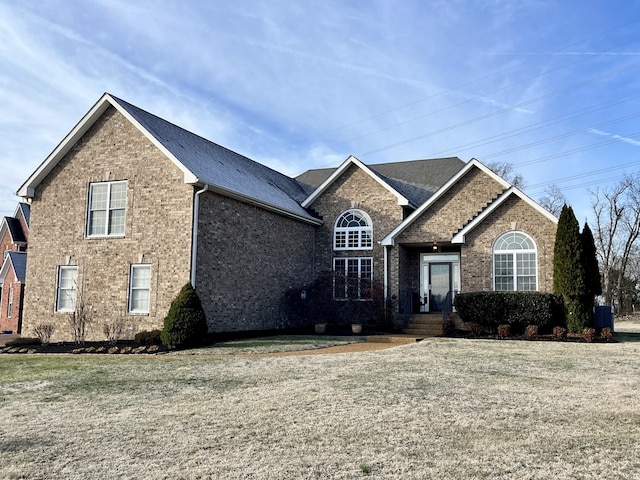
(531, 332)
(148, 337)
(503, 331)
(44, 331)
(114, 329)
(559, 334)
(589, 334)
(185, 324)
(80, 319)
(606, 334)
(476, 329)
(366, 469)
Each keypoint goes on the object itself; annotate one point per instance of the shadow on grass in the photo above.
(626, 337)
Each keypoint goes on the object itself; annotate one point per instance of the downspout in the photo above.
(194, 230)
(386, 275)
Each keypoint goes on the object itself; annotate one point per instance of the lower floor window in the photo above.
(67, 288)
(139, 288)
(352, 278)
(515, 271)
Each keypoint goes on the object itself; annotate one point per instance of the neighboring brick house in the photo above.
(129, 207)
(14, 237)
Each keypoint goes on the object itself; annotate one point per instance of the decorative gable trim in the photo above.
(460, 236)
(402, 200)
(27, 190)
(389, 240)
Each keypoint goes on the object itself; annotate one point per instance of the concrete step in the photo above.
(424, 324)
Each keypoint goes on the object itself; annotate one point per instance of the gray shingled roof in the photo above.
(220, 167)
(416, 180)
(15, 229)
(26, 212)
(19, 262)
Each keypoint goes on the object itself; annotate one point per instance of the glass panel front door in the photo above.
(439, 285)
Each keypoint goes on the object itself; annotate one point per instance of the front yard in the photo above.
(443, 408)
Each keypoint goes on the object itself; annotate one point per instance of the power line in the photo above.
(461, 86)
(508, 109)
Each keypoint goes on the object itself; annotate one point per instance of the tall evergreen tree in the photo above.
(568, 271)
(590, 263)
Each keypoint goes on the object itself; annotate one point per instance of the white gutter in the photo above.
(194, 230)
(386, 276)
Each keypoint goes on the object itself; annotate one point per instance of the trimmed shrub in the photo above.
(559, 334)
(531, 332)
(503, 331)
(606, 334)
(516, 309)
(185, 324)
(148, 337)
(589, 334)
(24, 341)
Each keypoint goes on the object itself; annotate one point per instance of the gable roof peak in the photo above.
(201, 161)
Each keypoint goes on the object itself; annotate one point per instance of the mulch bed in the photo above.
(122, 347)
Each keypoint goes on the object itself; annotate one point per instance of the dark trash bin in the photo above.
(604, 316)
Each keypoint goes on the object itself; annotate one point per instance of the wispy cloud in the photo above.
(615, 136)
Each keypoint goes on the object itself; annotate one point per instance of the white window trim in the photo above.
(515, 261)
(107, 210)
(346, 266)
(61, 268)
(10, 303)
(132, 288)
(368, 229)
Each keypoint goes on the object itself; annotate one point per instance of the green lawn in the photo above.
(443, 408)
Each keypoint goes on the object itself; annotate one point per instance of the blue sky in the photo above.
(552, 87)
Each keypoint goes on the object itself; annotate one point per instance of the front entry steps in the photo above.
(424, 325)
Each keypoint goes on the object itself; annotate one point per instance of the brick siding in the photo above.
(355, 189)
(476, 263)
(157, 230)
(248, 258)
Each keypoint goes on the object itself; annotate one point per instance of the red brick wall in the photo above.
(11, 323)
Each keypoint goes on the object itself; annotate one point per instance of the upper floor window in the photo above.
(515, 263)
(107, 208)
(353, 231)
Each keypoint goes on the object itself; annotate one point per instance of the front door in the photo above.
(439, 286)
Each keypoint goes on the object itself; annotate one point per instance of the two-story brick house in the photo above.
(129, 207)
(14, 238)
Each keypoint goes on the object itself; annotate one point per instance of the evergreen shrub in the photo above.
(148, 337)
(517, 309)
(185, 324)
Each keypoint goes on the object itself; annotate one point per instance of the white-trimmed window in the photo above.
(67, 288)
(352, 278)
(353, 231)
(10, 305)
(139, 288)
(515, 263)
(107, 209)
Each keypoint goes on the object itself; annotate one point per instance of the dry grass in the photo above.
(443, 408)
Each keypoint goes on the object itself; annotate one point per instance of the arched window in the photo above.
(353, 231)
(515, 263)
